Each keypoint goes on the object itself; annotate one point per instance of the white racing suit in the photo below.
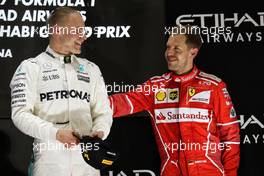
(48, 94)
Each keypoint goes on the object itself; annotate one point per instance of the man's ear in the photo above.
(57, 29)
(194, 52)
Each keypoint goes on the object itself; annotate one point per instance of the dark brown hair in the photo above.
(192, 34)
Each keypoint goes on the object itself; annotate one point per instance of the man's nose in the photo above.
(170, 52)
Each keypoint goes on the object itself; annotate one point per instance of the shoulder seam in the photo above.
(156, 78)
(206, 79)
(210, 76)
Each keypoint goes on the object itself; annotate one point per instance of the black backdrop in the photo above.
(133, 58)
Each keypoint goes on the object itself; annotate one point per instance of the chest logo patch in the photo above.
(173, 95)
(167, 96)
(199, 96)
(161, 95)
(191, 91)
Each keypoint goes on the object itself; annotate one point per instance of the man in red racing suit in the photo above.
(194, 121)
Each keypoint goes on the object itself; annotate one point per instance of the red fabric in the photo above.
(194, 109)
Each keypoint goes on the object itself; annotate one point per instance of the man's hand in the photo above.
(99, 134)
(67, 138)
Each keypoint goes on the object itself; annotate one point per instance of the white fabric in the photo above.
(46, 91)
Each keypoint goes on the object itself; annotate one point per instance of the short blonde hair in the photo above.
(59, 15)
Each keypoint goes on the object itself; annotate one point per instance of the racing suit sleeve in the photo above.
(132, 102)
(100, 107)
(23, 98)
(228, 128)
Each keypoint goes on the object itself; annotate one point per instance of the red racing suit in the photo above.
(194, 122)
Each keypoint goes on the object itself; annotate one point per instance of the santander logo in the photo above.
(172, 115)
(160, 116)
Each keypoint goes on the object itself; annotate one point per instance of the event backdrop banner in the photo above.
(127, 40)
